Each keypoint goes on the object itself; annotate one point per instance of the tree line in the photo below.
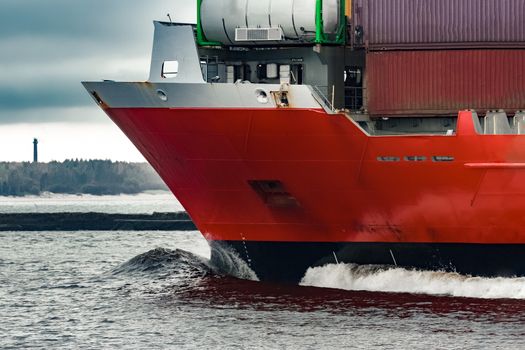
(98, 177)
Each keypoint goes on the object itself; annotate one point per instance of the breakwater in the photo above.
(179, 221)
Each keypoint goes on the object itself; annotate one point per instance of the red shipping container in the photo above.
(416, 24)
(444, 82)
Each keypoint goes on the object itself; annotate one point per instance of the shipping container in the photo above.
(442, 82)
(417, 24)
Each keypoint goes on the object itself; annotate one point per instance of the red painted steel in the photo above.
(413, 24)
(345, 194)
(443, 82)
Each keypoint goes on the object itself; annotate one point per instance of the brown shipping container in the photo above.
(444, 82)
(413, 24)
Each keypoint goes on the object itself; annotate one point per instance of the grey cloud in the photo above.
(101, 18)
(60, 93)
(48, 47)
(46, 115)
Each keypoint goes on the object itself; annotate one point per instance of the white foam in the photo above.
(141, 203)
(399, 280)
(226, 260)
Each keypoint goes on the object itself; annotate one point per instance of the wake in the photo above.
(399, 280)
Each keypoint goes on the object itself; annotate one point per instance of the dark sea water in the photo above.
(158, 290)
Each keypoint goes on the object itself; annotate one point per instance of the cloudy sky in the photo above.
(47, 48)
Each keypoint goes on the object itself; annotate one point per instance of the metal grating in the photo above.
(258, 34)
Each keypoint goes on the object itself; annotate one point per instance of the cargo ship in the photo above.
(298, 133)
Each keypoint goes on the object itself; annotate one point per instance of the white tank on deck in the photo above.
(296, 18)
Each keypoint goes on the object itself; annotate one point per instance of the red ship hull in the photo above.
(443, 202)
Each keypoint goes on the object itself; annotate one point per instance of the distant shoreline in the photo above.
(179, 221)
(95, 177)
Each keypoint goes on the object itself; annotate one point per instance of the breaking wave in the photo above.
(399, 280)
(161, 261)
(166, 263)
(226, 261)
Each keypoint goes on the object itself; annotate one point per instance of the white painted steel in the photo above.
(281, 14)
(234, 16)
(175, 43)
(145, 95)
(330, 16)
(477, 124)
(297, 18)
(304, 17)
(271, 71)
(519, 123)
(284, 73)
(258, 14)
(211, 20)
(230, 74)
(496, 123)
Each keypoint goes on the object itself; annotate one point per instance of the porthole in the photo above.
(262, 96)
(162, 95)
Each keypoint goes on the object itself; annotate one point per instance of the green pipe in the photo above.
(320, 37)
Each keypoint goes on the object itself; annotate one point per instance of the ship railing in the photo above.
(324, 95)
(210, 68)
(353, 98)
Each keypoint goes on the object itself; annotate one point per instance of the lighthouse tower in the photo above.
(35, 151)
